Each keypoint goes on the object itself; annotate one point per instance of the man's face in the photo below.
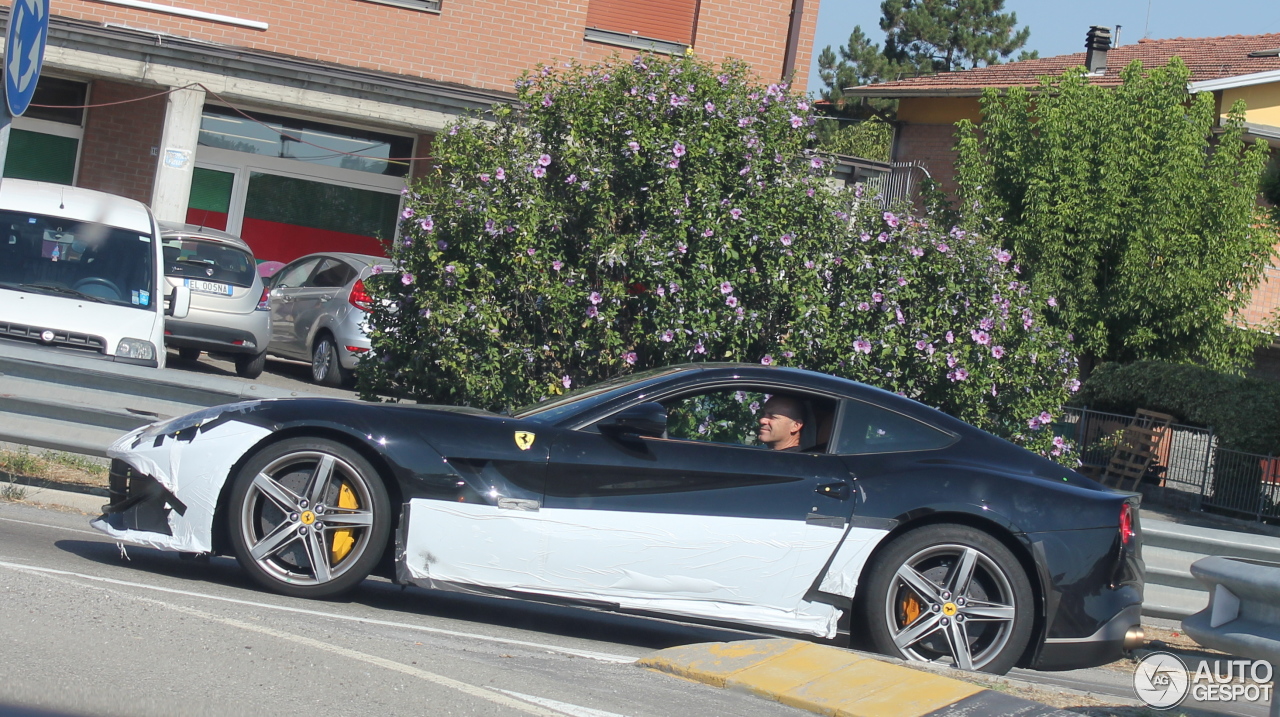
(779, 427)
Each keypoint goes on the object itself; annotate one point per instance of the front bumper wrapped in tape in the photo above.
(138, 501)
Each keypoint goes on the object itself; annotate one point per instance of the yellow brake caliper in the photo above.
(910, 608)
(344, 538)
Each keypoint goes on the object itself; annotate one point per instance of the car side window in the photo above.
(332, 274)
(724, 416)
(866, 428)
(292, 276)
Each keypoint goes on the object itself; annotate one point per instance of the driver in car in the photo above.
(781, 423)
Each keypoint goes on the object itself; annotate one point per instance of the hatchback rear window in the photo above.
(208, 261)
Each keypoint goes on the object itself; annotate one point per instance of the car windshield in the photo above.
(553, 409)
(210, 261)
(85, 260)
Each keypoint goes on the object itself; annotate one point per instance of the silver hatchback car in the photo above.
(229, 311)
(318, 311)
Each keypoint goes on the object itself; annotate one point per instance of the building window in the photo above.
(427, 5)
(329, 145)
(662, 25)
(45, 141)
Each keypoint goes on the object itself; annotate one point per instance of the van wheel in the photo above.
(251, 366)
(326, 369)
(189, 354)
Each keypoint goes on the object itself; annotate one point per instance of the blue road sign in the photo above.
(24, 52)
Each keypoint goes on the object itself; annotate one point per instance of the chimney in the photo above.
(1096, 44)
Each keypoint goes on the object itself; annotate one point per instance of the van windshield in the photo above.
(84, 260)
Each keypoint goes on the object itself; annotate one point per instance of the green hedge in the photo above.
(1243, 412)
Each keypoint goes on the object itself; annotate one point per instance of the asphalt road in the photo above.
(279, 373)
(86, 631)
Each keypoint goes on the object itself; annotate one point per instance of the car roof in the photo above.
(75, 203)
(349, 257)
(173, 230)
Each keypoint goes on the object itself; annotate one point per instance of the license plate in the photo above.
(208, 287)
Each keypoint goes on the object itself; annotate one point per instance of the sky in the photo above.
(1058, 28)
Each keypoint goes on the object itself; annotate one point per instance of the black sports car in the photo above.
(647, 494)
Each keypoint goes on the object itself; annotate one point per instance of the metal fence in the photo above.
(1193, 470)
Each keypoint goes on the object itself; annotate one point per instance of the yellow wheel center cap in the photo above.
(307, 517)
(949, 609)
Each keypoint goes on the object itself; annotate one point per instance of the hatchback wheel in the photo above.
(189, 354)
(953, 594)
(308, 518)
(251, 366)
(326, 369)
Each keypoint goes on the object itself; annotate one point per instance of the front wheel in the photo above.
(950, 594)
(308, 518)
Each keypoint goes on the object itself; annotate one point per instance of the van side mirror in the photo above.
(179, 302)
(645, 419)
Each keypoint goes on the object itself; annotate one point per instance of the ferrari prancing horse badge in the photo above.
(524, 440)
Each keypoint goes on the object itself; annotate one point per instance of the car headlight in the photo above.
(136, 349)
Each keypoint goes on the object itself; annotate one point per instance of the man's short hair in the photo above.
(786, 406)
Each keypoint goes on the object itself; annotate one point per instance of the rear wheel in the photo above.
(189, 354)
(308, 518)
(950, 594)
(326, 369)
(251, 366)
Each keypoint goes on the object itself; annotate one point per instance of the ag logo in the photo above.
(524, 440)
(1160, 679)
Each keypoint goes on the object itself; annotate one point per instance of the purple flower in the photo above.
(743, 122)
(980, 337)
(633, 146)
(531, 251)
(767, 360)
(539, 172)
(595, 297)
(943, 248)
(668, 335)
(786, 240)
(961, 374)
(442, 244)
(500, 174)
(678, 150)
(449, 268)
(731, 301)
(673, 164)
(1059, 442)
(546, 100)
(708, 233)
(709, 107)
(1073, 385)
(1053, 301)
(735, 213)
(1046, 418)
(877, 297)
(557, 265)
(1003, 256)
(427, 223)
(951, 338)
(916, 251)
(408, 212)
(376, 270)
(921, 344)
(406, 278)
(674, 287)
(1034, 424)
(592, 312)
(862, 345)
(890, 219)
(796, 121)
(630, 358)
(997, 351)
(544, 160)
(484, 177)
(864, 306)
(566, 381)
(986, 324)
(682, 248)
(816, 162)
(699, 348)
(952, 361)
(726, 287)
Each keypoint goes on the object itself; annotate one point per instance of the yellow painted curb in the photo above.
(818, 678)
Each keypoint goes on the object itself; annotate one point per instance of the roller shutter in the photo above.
(670, 20)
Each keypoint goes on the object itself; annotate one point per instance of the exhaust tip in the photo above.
(1134, 637)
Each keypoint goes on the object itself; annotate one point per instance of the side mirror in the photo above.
(179, 302)
(645, 419)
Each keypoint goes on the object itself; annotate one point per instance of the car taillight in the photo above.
(264, 303)
(1126, 523)
(359, 297)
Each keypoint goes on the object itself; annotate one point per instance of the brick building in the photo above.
(195, 107)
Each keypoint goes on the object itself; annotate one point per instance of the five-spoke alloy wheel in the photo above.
(308, 517)
(953, 594)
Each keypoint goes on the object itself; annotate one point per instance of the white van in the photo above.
(80, 271)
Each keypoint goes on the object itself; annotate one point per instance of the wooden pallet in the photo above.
(1137, 449)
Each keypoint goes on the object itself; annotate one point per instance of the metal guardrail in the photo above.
(62, 401)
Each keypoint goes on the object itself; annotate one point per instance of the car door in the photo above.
(310, 299)
(695, 525)
(285, 286)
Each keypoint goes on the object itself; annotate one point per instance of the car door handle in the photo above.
(326, 297)
(286, 299)
(839, 491)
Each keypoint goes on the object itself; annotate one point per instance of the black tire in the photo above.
(919, 605)
(251, 366)
(326, 369)
(188, 354)
(280, 517)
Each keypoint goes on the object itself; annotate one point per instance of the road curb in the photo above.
(83, 502)
(831, 681)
